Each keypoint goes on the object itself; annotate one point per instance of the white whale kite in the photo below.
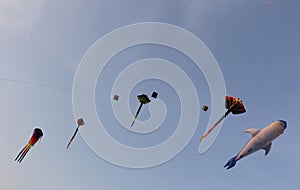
(261, 139)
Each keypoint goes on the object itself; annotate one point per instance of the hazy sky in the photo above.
(42, 41)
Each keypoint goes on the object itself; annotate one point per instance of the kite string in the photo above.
(34, 83)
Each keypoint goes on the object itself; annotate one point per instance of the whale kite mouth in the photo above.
(284, 123)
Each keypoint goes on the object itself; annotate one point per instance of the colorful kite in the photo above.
(37, 134)
(233, 105)
(80, 122)
(143, 99)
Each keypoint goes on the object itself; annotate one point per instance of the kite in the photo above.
(261, 139)
(268, 3)
(116, 97)
(80, 122)
(233, 105)
(154, 95)
(143, 99)
(37, 134)
(204, 107)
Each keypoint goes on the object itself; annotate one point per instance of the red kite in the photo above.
(233, 105)
(37, 134)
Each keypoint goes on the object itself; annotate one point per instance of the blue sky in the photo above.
(257, 49)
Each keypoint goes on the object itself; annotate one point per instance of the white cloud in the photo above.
(19, 14)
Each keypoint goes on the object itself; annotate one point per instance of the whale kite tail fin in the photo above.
(231, 163)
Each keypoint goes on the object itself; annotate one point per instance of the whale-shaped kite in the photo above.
(261, 139)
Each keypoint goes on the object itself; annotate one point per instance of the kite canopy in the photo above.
(143, 98)
(37, 134)
(154, 95)
(204, 107)
(116, 97)
(237, 103)
(80, 122)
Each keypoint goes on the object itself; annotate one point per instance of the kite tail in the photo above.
(133, 122)
(23, 153)
(208, 132)
(137, 113)
(213, 127)
(72, 137)
(20, 153)
(231, 163)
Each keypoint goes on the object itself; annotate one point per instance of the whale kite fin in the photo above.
(252, 131)
(230, 163)
(267, 149)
